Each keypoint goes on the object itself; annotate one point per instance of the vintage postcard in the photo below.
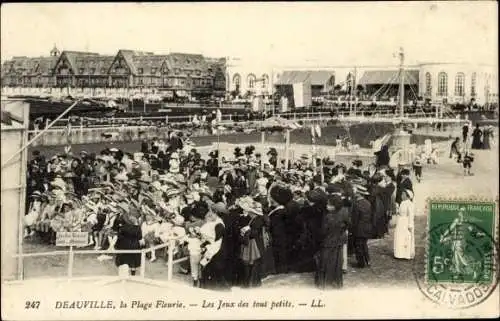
(287, 160)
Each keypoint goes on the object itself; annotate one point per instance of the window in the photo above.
(428, 84)
(265, 80)
(251, 81)
(92, 71)
(153, 70)
(140, 71)
(140, 81)
(473, 84)
(460, 84)
(237, 79)
(442, 84)
(103, 70)
(81, 70)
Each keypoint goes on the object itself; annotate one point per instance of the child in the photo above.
(150, 230)
(467, 162)
(417, 168)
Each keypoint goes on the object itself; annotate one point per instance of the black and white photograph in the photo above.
(252, 160)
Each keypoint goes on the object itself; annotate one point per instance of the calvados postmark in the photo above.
(460, 269)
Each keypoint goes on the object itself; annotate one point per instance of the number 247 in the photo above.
(32, 305)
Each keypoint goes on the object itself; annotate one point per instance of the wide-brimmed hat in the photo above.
(171, 192)
(36, 195)
(247, 204)
(58, 183)
(156, 185)
(360, 189)
(219, 207)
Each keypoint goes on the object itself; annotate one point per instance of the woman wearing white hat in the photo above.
(404, 234)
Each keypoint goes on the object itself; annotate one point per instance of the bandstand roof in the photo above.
(391, 77)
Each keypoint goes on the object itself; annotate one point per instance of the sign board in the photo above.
(72, 238)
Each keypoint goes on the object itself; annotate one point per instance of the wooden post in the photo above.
(71, 259)
(170, 263)
(287, 147)
(143, 264)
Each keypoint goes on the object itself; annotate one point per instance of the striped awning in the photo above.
(390, 77)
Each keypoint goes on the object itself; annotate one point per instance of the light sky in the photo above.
(265, 33)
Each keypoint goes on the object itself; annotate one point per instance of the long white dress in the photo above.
(404, 234)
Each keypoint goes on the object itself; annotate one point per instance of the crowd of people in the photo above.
(460, 149)
(238, 219)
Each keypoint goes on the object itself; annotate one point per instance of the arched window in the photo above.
(428, 84)
(460, 84)
(251, 81)
(265, 80)
(473, 84)
(442, 84)
(237, 79)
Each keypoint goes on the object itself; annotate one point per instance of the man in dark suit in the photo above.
(362, 227)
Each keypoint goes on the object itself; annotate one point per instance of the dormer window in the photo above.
(103, 70)
(92, 71)
(153, 70)
(188, 61)
(81, 70)
(140, 71)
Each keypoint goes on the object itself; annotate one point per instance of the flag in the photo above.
(218, 116)
(318, 131)
(313, 132)
(68, 128)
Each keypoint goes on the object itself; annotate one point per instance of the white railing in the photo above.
(71, 257)
(228, 118)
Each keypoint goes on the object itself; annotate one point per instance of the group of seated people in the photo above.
(237, 219)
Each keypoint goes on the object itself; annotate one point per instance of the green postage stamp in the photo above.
(462, 252)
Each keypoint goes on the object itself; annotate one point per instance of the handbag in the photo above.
(250, 251)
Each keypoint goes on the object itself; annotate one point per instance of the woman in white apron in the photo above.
(404, 234)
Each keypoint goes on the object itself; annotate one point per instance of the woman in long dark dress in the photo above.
(279, 197)
(310, 218)
(476, 138)
(251, 243)
(329, 259)
(129, 238)
(377, 198)
(487, 136)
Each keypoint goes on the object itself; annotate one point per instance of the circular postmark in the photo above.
(460, 269)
